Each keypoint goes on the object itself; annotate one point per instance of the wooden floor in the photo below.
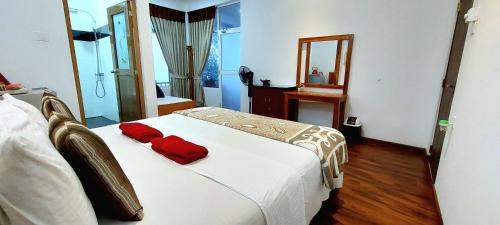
(383, 184)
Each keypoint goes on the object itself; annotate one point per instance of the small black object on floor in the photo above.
(352, 134)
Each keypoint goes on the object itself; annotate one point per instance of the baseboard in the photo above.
(388, 143)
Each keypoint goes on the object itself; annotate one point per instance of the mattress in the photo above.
(176, 194)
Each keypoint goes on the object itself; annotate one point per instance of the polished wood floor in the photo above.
(383, 184)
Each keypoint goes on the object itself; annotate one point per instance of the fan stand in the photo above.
(250, 96)
(250, 105)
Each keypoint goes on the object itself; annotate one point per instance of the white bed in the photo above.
(169, 104)
(171, 100)
(217, 190)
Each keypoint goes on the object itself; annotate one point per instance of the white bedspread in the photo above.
(172, 194)
(283, 180)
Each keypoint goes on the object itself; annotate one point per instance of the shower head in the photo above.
(76, 11)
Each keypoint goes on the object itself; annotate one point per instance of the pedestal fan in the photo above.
(246, 77)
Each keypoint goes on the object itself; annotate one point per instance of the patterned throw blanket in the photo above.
(327, 143)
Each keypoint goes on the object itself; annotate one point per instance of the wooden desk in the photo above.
(338, 101)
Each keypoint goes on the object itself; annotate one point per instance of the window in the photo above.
(160, 65)
(227, 19)
(210, 75)
(229, 16)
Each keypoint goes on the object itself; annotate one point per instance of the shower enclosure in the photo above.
(93, 37)
(105, 59)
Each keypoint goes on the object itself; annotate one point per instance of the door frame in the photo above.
(136, 58)
(448, 84)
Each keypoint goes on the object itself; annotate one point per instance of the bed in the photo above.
(242, 181)
(258, 170)
(169, 104)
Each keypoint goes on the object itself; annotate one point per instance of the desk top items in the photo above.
(265, 82)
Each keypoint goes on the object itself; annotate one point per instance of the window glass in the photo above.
(210, 75)
(229, 16)
(230, 51)
(159, 62)
(231, 91)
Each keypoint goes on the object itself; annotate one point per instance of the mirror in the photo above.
(323, 62)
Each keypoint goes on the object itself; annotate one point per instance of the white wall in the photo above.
(180, 5)
(86, 58)
(191, 5)
(399, 57)
(109, 101)
(468, 184)
(34, 63)
(400, 54)
(188, 5)
(395, 76)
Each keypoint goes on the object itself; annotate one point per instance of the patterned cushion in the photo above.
(104, 181)
(56, 120)
(49, 93)
(52, 104)
(47, 108)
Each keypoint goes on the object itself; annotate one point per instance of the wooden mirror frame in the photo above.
(339, 38)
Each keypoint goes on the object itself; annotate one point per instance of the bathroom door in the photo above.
(124, 68)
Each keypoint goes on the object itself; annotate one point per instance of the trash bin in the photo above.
(352, 130)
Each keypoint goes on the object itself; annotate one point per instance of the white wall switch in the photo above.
(42, 36)
(472, 15)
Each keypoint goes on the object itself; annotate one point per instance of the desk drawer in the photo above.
(268, 101)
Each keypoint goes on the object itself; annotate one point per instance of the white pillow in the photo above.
(12, 119)
(37, 186)
(34, 114)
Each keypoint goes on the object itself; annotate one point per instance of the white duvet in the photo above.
(283, 180)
